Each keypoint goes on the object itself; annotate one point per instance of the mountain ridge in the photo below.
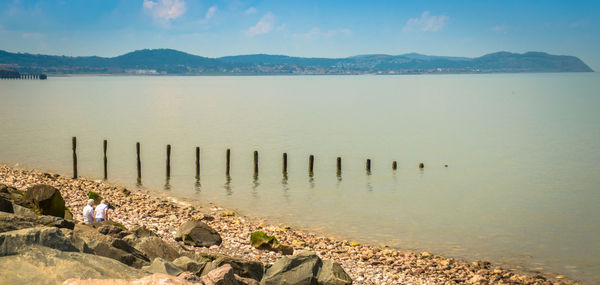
(170, 61)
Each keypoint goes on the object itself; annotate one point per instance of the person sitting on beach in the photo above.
(88, 212)
(101, 212)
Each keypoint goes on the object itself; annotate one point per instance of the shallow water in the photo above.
(522, 186)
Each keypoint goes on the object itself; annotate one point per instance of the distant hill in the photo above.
(168, 61)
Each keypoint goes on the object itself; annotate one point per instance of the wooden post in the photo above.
(311, 163)
(339, 165)
(394, 165)
(105, 146)
(197, 162)
(139, 162)
(255, 162)
(368, 165)
(284, 167)
(74, 158)
(228, 160)
(168, 161)
(421, 165)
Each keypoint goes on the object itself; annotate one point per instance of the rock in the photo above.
(197, 233)
(154, 279)
(142, 232)
(11, 222)
(242, 267)
(298, 269)
(222, 276)
(187, 264)
(110, 247)
(6, 205)
(42, 265)
(95, 196)
(11, 193)
(332, 273)
(160, 265)
(154, 247)
(46, 199)
(22, 211)
(261, 240)
(353, 244)
(113, 231)
(13, 242)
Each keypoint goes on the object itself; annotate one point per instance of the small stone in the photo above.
(353, 244)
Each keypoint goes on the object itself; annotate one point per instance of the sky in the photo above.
(307, 28)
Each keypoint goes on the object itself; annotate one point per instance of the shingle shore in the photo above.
(364, 263)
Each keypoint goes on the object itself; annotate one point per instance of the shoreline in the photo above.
(366, 264)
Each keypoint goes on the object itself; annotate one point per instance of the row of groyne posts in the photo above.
(17, 75)
(311, 162)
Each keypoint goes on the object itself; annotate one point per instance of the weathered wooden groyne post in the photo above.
(394, 165)
(311, 164)
(104, 147)
(421, 165)
(255, 163)
(228, 158)
(74, 143)
(339, 166)
(168, 161)
(197, 162)
(284, 164)
(368, 166)
(139, 162)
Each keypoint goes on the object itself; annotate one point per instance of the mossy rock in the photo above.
(261, 240)
(46, 200)
(117, 224)
(95, 196)
(68, 215)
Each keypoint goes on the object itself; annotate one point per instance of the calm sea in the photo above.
(522, 186)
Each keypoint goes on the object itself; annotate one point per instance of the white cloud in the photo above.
(501, 29)
(32, 36)
(578, 24)
(165, 10)
(210, 12)
(315, 33)
(426, 23)
(250, 11)
(264, 25)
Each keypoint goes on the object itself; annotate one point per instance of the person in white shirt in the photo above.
(101, 212)
(88, 212)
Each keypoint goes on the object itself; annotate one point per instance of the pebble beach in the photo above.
(366, 264)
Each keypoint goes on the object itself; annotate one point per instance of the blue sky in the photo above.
(301, 28)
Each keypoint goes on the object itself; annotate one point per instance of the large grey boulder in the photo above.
(197, 233)
(13, 242)
(298, 269)
(110, 247)
(42, 265)
(11, 222)
(154, 247)
(242, 267)
(191, 265)
(23, 211)
(160, 265)
(46, 199)
(306, 268)
(332, 273)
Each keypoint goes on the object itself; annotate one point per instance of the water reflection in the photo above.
(228, 185)
(255, 184)
(197, 185)
(369, 185)
(138, 183)
(311, 179)
(339, 179)
(167, 184)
